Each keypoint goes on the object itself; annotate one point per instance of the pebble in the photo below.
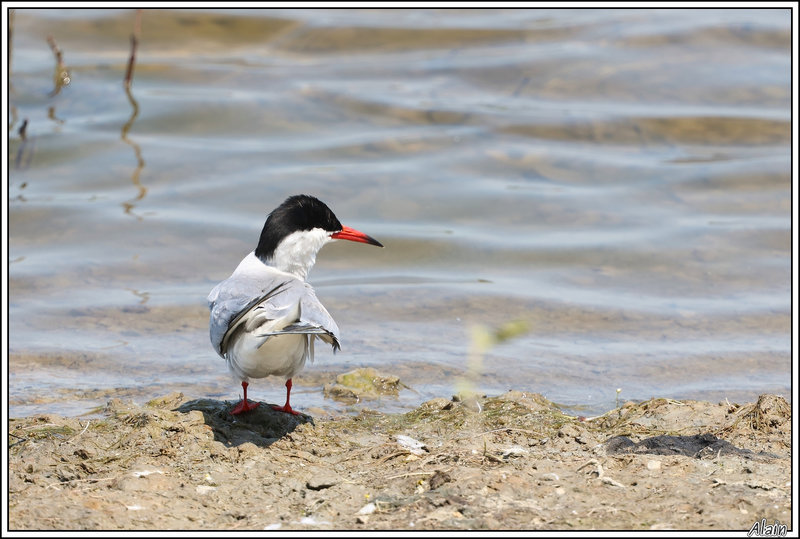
(311, 521)
(248, 449)
(322, 480)
(569, 431)
(653, 464)
(514, 451)
(438, 403)
(205, 489)
(85, 453)
(145, 473)
(438, 479)
(367, 509)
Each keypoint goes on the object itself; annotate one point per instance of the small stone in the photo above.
(549, 477)
(145, 473)
(653, 464)
(248, 449)
(438, 403)
(205, 489)
(368, 509)
(311, 521)
(322, 480)
(586, 439)
(514, 451)
(67, 473)
(438, 479)
(340, 393)
(85, 453)
(123, 483)
(569, 431)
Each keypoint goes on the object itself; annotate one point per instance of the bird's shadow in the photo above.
(262, 426)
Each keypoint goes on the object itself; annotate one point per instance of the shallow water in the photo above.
(619, 179)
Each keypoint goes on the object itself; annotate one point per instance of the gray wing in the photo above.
(236, 300)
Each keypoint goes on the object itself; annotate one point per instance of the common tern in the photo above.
(265, 317)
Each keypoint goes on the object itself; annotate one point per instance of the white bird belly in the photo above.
(281, 355)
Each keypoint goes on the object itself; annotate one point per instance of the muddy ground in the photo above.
(509, 462)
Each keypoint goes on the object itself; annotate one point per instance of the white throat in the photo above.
(298, 251)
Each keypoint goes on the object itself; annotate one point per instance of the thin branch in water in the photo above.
(61, 77)
(137, 24)
(131, 60)
(59, 56)
(137, 29)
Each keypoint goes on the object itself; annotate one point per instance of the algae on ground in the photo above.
(365, 383)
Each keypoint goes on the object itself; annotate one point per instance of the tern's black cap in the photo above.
(298, 212)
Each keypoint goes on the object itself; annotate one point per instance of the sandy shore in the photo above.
(509, 462)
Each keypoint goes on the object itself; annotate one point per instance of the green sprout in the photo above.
(483, 339)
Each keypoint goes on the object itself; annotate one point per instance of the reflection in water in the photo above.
(25, 150)
(143, 296)
(61, 79)
(51, 114)
(129, 205)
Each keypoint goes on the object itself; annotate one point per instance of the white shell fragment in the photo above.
(368, 509)
(514, 451)
(145, 473)
(205, 489)
(410, 444)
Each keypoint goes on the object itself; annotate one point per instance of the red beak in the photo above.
(352, 234)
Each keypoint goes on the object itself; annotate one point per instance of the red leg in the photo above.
(286, 408)
(243, 405)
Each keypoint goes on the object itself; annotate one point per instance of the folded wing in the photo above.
(284, 306)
